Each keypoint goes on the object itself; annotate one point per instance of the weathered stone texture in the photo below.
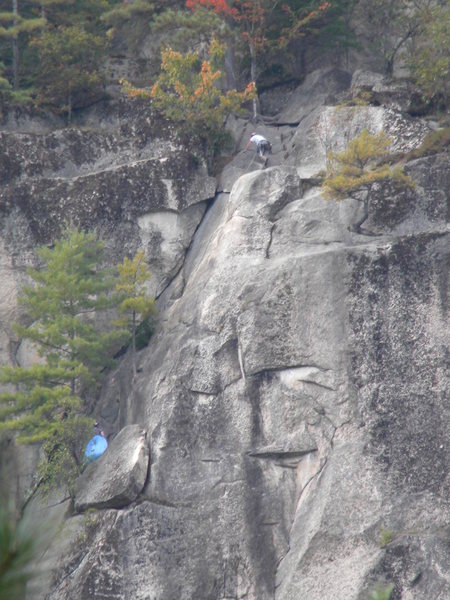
(303, 140)
(129, 177)
(294, 392)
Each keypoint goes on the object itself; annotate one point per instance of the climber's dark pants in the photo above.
(262, 148)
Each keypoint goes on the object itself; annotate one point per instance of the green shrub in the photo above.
(386, 537)
(382, 592)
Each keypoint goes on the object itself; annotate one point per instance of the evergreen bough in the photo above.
(46, 404)
(354, 172)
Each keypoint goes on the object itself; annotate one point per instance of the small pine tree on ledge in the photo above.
(353, 172)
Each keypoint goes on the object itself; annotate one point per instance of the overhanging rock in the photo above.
(116, 479)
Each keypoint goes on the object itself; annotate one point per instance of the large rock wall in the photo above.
(294, 394)
(126, 174)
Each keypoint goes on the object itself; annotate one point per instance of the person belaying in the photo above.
(263, 146)
(96, 445)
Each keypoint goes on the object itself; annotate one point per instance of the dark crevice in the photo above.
(270, 241)
(287, 368)
(280, 454)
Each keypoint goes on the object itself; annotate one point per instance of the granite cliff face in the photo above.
(294, 393)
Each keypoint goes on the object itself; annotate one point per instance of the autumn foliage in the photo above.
(263, 25)
(187, 92)
(218, 6)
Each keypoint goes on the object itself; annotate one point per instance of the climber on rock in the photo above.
(263, 146)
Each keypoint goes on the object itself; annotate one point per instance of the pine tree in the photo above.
(353, 172)
(86, 14)
(70, 288)
(12, 26)
(136, 305)
(184, 30)
(47, 403)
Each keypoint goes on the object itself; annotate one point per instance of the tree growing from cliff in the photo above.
(187, 93)
(68, 72)
(47, 402)
(184, 30)
(12, 27)
(391, 25)
(136, 305)
(430, 59)
(263, 24)
(355, 171)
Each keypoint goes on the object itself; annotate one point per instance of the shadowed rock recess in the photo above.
(294, 393)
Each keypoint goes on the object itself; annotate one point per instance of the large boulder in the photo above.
(118, 476)
(382, 90)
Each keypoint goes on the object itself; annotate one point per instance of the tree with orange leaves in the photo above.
(187, 92)
(250, 16)
(255, 19)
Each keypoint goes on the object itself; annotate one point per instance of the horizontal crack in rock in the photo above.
(279, 453)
